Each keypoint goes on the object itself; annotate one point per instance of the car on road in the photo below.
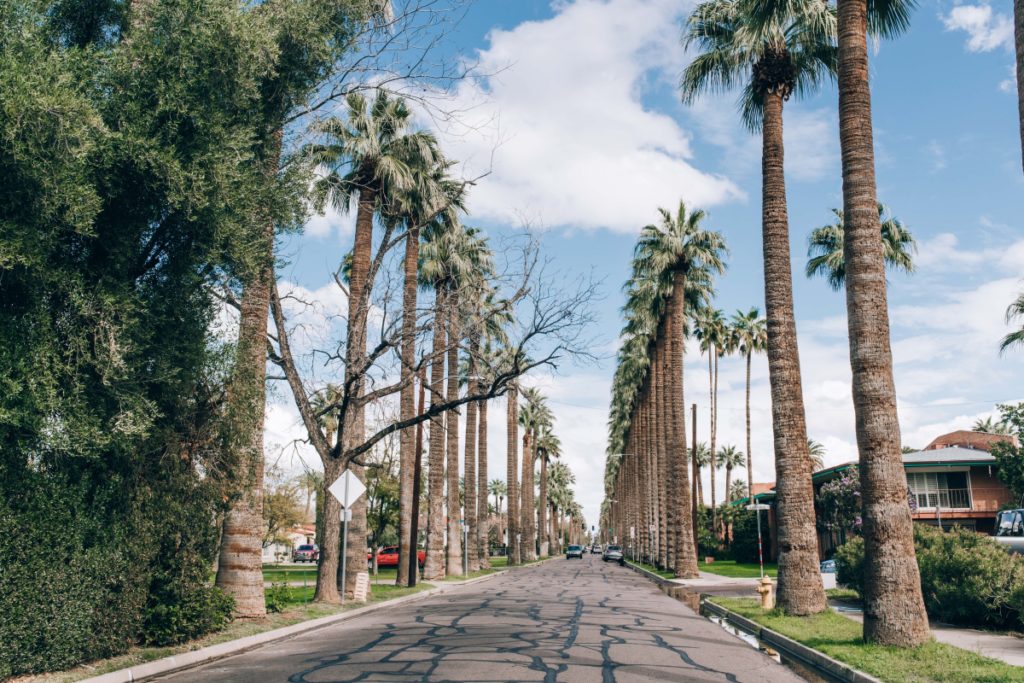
(307, 552)
(574, 551)
(828, 567)
(388, 557)
(595, 549)
(613, 553)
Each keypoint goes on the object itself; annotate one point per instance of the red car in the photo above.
(388, 557)
(307, 552)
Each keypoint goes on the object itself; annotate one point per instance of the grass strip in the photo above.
(841, 638)
(739, 570)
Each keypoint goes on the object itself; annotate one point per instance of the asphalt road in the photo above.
(564, 620)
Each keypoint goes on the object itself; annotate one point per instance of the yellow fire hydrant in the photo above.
(767, 592)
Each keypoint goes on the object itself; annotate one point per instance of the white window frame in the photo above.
(941, 470)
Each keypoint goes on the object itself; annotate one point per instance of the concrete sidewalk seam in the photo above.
(205, 655)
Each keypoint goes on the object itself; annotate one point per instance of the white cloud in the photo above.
(562, 122)
(986, 30)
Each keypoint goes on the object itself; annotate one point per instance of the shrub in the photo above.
(172, 619)
(966, 578)
(279, 596)
(744, 533)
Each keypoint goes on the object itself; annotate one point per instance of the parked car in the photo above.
(595, 549)
(307, 552)
(574, 551)
(828, 567)
(613, 553)
(388, 557)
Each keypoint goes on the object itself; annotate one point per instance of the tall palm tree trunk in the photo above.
(750, 458)
(669, 484)
(454, 558)
(1018, 36)
(240, 564)
(712, 464)
(528, 551)
(894, 611)
(512, 460)
(433, 568)
(470, 459)
(355, 359)
(407, 407)
(800, 588)
(542, 508)
(483, 519)
(686, 548)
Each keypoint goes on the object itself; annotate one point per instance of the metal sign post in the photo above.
(347, 489)
(760, 553)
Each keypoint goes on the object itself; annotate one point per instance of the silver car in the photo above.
(574, 551)
(613, 553)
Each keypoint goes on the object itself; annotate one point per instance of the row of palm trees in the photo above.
(772, 50)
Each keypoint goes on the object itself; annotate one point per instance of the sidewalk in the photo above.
(1007, 648)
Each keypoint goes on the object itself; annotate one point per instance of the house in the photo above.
(281, 549)
(953, 482)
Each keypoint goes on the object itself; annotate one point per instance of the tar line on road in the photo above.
(564, 620)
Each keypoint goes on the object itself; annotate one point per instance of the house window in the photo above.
(940, 489)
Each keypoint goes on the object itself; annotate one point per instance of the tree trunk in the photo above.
(483, 519)
(894, 611)
(1018, 34)
(542, 507)
(240, 566)
(454, 557)
(712, 463)
(407, 407)
(354, 427)
(750, 458)
(686, 549)
(512, 460)
(433, 569)
(528, 543)
(800, 589)
(470, 458)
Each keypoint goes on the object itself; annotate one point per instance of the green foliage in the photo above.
(192, 611)
(278, 597)
(966, 578)
(1010, 458)
(744, 534)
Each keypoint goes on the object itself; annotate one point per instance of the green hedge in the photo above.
(966, 578)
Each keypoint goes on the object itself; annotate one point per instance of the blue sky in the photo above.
(583, 123)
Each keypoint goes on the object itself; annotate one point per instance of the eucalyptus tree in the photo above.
(786, 51)
(825, 248)
(751, 334)
(894, 611)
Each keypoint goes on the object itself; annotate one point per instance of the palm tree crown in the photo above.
(825, 248)
(789, 49)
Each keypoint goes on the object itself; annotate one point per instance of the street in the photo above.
(563, 620)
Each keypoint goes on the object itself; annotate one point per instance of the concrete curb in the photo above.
(187, 660)
(820, 663)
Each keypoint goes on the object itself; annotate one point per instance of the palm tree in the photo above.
(434, 200)
(534, 416)
(817, 452)
(669, 252)
(511, 461)
(701, 458)
(713, 330)
(1014, 312)
(729, 457)
(825, 248)
(894, 606)
(549, 447)
(1018, 33)
(788, 50)
(990, 426)
(751, 333)
(739, 490)
(486, 326)
(499, 490)
(371, 158)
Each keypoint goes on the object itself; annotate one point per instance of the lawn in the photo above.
(739, 570)
(654, 570)
(840, 638)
